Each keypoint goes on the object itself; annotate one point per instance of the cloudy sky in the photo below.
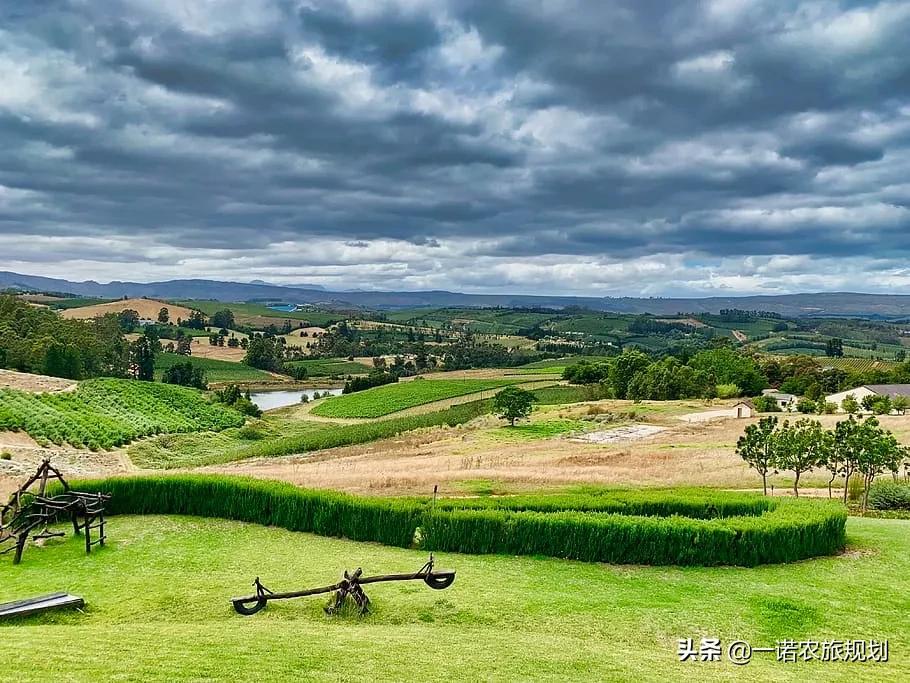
(536, 146)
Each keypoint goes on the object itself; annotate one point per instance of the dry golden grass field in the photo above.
(550, 451)
(147, 308)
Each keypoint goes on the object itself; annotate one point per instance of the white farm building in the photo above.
(890, 390)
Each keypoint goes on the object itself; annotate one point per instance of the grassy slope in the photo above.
(391, 398)
(215, 370)
(503, 619)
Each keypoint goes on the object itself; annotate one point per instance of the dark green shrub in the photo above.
(889, 495)
(645, 527)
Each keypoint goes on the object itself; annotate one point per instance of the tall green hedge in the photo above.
(641, 527)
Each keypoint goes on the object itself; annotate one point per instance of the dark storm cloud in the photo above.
(561, 144)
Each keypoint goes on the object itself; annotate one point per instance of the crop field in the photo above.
(504, 618)
(559, 364)
(244, 312)
(283, 432)
(328, 367)
(217, 371)
(858, 364)
(391, 398)
(146, 308)
(104, 413)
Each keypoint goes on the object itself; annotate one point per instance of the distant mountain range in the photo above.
(791, 305)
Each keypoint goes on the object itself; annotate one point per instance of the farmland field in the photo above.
(215, 370)
(104, 413)
(147, 308)
(284, 432)
(504, 618)
(326, 367)
(391, 398)
(859, 364)
(244, 312)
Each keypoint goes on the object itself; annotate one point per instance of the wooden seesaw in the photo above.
(350, 585)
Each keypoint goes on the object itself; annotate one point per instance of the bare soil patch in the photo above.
(25, 381)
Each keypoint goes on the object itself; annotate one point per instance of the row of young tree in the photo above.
(854, 447)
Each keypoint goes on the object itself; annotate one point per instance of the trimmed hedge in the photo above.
(641, 527)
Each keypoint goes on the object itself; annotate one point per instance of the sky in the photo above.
(653, 148)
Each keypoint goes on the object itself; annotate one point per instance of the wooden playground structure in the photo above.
(350, 586)
(30, 511)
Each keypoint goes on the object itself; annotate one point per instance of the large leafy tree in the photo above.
(513, 403)
(624, 367)
(728, 366)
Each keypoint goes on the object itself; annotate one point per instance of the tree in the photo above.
(264, 353)
(806, 405)
(184, 345)
(900, 404)
(513, 403)
(846, 445)
(766, 404)
(623, 369)
(850, 405)
(834, 347)
(164, 316)
(879, 451)
(585, 372)
(800, 447)
(668, 379)
(756, 447)
(185, 374)
(142, 359)
(129, 320)
(728, 366)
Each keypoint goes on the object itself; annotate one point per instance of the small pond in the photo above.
(267, 400)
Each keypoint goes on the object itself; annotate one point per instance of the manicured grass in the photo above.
(532, 431)
(675, 526)
(391, 398)
(215, 370)
(158, 610)
(103, 413)
(327, 367)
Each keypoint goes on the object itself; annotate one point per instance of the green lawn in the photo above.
(157, 609)
(215, 370)
(391, 398)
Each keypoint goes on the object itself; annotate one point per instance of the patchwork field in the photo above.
(217, 371)
(504, 618)
(259, 315)
(391, 398)
(147, 308)
(104, 413)
(327, 367)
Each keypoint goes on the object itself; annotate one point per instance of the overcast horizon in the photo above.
(720, 148)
